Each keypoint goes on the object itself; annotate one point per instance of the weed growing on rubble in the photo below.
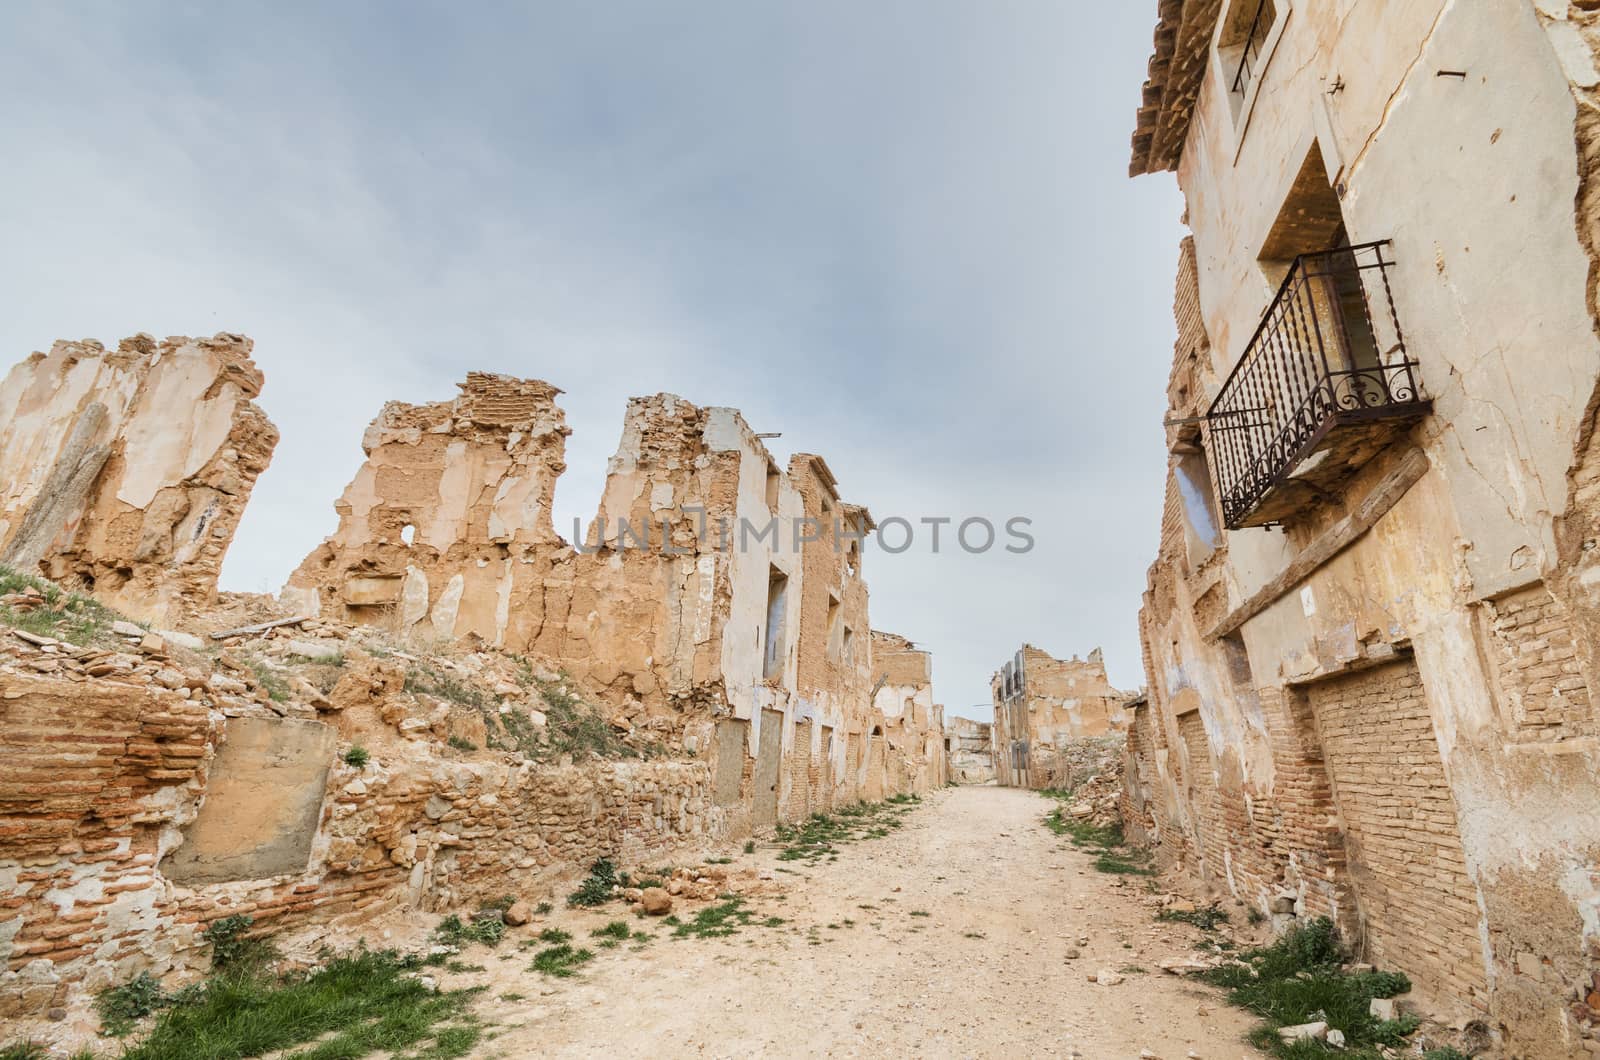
(555, 935)
(233, 950)
(617, 932)
(72, 617)
(718, 921)
(560, 961)
(432, 681)
(1112, 854)
(271, 682)
(357, 756)
(597, 888)
(1298, 979)
(815, 838)
(123, 1006)
(367, 998)
(1208, 918)
(486, 927)
(749, 846)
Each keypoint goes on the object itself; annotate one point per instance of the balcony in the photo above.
(1323, 385)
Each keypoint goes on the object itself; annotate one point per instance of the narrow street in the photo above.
(952, 936)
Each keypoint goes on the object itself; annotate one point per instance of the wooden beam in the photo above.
(1332, 541)
(243, 631)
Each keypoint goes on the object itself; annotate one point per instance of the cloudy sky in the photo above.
(897, 231)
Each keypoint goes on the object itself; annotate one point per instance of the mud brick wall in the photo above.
(1535, 660)
(1200, 779)
(94, 771)
(1418, 910)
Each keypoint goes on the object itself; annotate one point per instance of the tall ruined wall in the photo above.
(126, 471)
(716, 601)
(833, 671)
(448, 522)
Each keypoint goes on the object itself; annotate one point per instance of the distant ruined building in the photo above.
(1372, 632)
(1043, 704)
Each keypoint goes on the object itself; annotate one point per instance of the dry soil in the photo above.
(951, 937)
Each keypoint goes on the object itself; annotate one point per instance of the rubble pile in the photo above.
(1090, 772)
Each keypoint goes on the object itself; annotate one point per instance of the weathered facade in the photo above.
(1042, 704)
(969, 750)
(1370, 633)
(124, 472)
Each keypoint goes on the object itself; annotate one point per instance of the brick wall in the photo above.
(1535, 660)
(797, 767)
(1418, 910)
(1205, 799)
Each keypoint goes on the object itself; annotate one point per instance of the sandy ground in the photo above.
(979, 862)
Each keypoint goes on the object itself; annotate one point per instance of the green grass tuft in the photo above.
(1298, 979)
(73, 617)
(357, 756)
(598, 887)
(816, 837)
(486, 927)
(560, 961)
(366, 1000)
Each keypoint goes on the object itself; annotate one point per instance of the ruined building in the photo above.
(1041, 704)
(969, 750)
(702, 666)
(1371, 630)
(902, 694)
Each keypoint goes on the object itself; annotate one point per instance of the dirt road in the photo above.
(949, 937)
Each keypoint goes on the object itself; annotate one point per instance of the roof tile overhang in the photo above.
(1177, 68)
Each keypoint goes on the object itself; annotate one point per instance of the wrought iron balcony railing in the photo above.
(1328, 354)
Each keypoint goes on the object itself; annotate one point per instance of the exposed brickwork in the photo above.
(1535, 657)
(1417, 906)
(1201, 786)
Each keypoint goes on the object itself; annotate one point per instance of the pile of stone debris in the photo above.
(1090, 770)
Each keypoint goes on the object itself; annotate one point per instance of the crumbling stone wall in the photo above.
(445, 533)
(125, 472)
(442, 627)
(98, 845)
